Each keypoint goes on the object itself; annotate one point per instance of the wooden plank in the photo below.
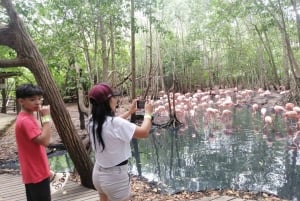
(12, 189)
(91, 198)
(17, 196)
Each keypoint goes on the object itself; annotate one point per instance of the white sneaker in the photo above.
(58, 181)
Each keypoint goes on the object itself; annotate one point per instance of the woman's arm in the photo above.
(144, 130)
(131, 110)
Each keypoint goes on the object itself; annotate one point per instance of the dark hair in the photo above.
(99, 114)
(28, 90)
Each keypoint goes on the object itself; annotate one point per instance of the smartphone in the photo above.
(140, 104)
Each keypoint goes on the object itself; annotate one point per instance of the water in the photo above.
(60, 161)
(242, 156)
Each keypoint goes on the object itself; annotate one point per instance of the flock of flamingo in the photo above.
(217, 106)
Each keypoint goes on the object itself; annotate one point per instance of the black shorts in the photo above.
(38, 191)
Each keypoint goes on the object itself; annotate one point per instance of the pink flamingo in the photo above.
(263, 112)
(279, 109)
(226, 117)
(297, 109)
(296, 140)
(211, 113)
(254, 108)
(291, 115)
(268, 120)
(289, 106)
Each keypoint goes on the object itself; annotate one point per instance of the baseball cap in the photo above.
(101, 92)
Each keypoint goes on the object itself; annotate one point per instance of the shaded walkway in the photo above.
(5, 121)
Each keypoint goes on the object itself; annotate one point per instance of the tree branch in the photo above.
(7, 63)
(7, 36)
(15, 33)
(10, 10)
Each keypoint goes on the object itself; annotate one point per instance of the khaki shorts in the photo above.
(113, 182)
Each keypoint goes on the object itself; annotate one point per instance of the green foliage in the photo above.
(203, 40)
(139, 92)
(7, 53)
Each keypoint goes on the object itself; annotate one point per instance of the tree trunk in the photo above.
(133, 117)
(266, 44)
(286, 64)
(149, 74)
(15, 36)
(104, 51)
(112, 47)
(294, 3)
(271, 59)
(293, 63)
(80, 92)
(4, 99)
(132, 28)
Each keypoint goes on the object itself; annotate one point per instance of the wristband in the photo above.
(148, 116)
(45, 119)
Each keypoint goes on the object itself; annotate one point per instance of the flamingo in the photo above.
(289, 106)
(226, 115)
(279, 109)
(227, 103)
(268, 120)
(254, 108)
(296, 140)
(263, 111)
(211, 113)
(291, 115)
(297, 109)
(292, 119)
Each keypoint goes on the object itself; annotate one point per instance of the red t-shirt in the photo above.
(33, 158)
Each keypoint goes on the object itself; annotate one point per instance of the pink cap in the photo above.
(102, 92)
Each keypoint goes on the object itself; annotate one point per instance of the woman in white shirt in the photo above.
(110, 138)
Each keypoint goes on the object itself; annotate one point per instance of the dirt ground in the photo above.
(141, 188)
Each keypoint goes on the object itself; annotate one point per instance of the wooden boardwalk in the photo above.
(12, 189)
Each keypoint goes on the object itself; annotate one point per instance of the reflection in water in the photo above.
(60, 161)
(246, 157)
